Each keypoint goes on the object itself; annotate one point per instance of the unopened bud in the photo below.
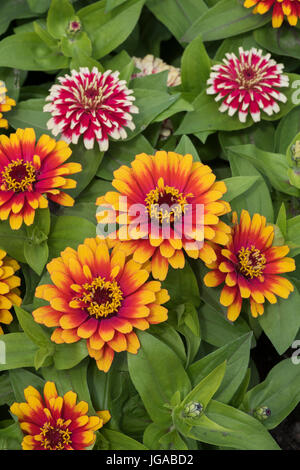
(192, 409)
(295, 149)
(74, 26)
(262, 413)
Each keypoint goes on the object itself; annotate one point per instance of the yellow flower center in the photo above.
(103, 298)
(251, 262)
(18, 176)
(165, 203)
(55, 437)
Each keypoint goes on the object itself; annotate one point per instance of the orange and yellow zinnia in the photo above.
(53, 422)
(250, 265)
(28, 171)
(281, 8)
(102, 297)
(9, 292)
(169, 188)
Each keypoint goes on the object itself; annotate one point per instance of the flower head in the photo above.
(150, 65)
(102, 297)
(53, 422)
(249, 266)
(281, 8)
(248, 84)
(5, 104)
(9, 292)
(29, 169)
(179, 204)
(93, 104)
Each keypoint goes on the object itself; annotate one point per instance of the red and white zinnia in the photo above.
(248, 84)
(93, 104)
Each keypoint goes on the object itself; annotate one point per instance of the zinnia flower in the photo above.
(169, 189)
(289, 8)
(28, 170)
(93, 104)
(150, 65)
(5, 104)
(248, 84)
(249, 266)
(9, 292)
(53, 422)
(100, 297)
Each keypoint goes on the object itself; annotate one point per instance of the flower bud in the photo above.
(295, 151)
(74, 26)
(262, 413)
(192, 409)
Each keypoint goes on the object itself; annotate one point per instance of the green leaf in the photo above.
(262, 135)
(177, 16)
(35, 332)
(227, 18)
(59, 17)
(30, 114)
(26, 51)
(182, 286)
(151, 103)
(111, 4)
(19, 351)
(195, 67)
(236, 353)
(44, 35)
(280, 392)
(288, 127)
(39, 6)
(90, 161)
(281, 221)
(74, 379)
(108, 30)
(157, 380)
(292, 237)
(122, 153)
(36, 255)
(6, 392)
(21, 379)
(69, 231)
(67, 356)
(43, 357)
(81, 44)
(178, 106)
(241, 431)
(11, 10)
(12, 241)
(218, 331)
(272, 165)
(281, 321)
(205, 389)
(284, 42)
(186, 146)
(171, 338)
(119, 441)
(238, 185)
(11, 437)
(254, 201)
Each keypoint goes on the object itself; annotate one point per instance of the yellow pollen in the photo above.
(18, 176)
(55, 437)
(103, 298)
(162, 196)
(251, 262)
